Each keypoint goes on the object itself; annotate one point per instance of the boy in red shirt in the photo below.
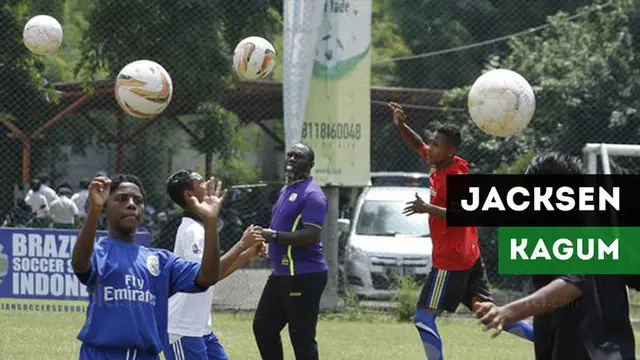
(458, 274)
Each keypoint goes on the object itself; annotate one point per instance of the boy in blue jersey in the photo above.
(129, 285)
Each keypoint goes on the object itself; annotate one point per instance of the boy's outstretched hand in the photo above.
(258, 249)
(99, 190)
(209, 207)
(491, 316)
(398, 114)
(417, 206)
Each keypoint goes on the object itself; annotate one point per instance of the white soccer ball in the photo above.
(501, 102)
(42, 34)
(143, 89)
(254, 58)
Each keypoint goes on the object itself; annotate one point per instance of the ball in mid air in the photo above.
(501, 102)
(143, 89)
(42, 35)
(254, 58)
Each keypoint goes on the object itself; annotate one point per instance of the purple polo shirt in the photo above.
(300, 203)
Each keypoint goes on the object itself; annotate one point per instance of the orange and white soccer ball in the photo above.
(42, 35)
(501, 102)
(254, 58)
(143, 89)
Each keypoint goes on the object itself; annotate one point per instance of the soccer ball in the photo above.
(501, 102)
(254, 58)
(42, 34)
(143, 89)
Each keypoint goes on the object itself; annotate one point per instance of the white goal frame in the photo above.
(591, 152)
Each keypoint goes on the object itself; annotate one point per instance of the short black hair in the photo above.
(84, 184)
(66, 186)
(44, 178)
(35, 185)
(555, 163)
(63, 190)
(178, 183)
(311, 153)
(452, 133)
(118, 179)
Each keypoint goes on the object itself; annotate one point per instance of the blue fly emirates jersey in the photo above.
(129, 286)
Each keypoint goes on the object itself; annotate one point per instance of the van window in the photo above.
(384, 218)
(400, 180)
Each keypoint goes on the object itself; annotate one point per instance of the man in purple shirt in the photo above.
(292, 293)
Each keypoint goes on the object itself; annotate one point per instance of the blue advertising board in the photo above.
(36, 264)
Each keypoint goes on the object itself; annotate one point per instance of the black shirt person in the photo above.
(581, 317)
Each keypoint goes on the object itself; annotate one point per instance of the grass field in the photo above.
(367, 337)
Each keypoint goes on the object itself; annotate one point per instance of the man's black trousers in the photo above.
(293, 300)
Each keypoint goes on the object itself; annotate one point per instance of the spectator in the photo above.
(80, 198)
(46, 190)
(63, 210)
(39, 205)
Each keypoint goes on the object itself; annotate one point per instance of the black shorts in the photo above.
(444, 290)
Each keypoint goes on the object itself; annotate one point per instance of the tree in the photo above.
(23, 96)
(193, 40)
(586, 82)
(434, 25)
(213, 125)
(387, 44)
(185, 37)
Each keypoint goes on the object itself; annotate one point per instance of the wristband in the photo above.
(274, 237)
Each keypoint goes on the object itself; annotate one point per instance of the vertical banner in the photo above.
(301, 21)
(338, 121)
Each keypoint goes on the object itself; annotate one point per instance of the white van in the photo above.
(383, 244)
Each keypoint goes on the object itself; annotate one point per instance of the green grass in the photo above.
(339, 337)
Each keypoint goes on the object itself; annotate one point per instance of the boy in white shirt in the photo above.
(38, 203)
(190, 334)
(63, 210)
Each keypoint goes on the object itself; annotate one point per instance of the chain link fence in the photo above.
(61, 123)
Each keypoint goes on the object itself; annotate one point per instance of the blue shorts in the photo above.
(196, 348)
(96, 353)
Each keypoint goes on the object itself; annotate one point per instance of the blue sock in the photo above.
(425, 322)
(521, 328)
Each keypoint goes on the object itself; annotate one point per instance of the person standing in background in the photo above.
(63, 210)
(46, 190)
(39, 205)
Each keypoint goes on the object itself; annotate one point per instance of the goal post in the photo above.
(591, 152)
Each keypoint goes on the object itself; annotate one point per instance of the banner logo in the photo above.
(338, 115)
(36, 264)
